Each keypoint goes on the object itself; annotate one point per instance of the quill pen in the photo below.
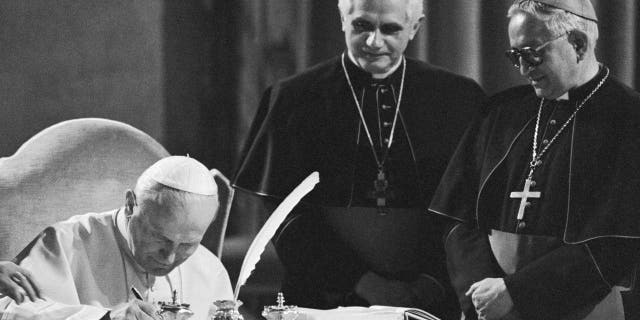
(269, 229)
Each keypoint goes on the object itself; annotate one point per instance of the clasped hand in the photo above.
(16, 282)
(135, 309)
(490, 298)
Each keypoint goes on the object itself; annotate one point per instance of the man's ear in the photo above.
(129, 202)
(580, 42)
(415, 27)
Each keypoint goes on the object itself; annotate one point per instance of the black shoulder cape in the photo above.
(604, 175)
(309, 123)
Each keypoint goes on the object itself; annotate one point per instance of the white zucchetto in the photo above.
(183, 173)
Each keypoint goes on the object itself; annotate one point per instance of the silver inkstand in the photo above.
(225, 310)
(281, 311)
(174, 310)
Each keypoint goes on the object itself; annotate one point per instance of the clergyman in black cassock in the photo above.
(544, 184)
(380, 144)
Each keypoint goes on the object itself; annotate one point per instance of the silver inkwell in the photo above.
(225, 310)
(174, 310)
(281, 311)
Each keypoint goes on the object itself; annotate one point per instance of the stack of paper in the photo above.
(364, 313)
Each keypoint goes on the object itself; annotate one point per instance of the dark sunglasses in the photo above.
(532, 56)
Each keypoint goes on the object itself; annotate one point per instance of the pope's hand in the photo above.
(135, 309)
(17, 282)
(491, 298)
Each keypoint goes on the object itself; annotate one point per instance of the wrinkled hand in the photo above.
(17, 283)
(135, 309)
(491, 298)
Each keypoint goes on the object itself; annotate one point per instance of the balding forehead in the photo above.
(179, 221)
(524, 25)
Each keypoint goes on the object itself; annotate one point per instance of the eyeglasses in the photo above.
(532, 56)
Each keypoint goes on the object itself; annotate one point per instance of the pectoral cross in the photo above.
(524, 195)
(380, 186)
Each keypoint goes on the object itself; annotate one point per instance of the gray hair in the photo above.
(415, 10)
(557, 21)
(147, 189)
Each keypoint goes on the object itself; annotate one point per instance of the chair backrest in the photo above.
(214, 237)
(73, 167)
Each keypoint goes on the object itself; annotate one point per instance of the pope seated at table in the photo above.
(87, 265)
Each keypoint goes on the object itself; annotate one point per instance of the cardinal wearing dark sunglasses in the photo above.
(532, 56)
(544, 183)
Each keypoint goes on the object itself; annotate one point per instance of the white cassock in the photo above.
(85, 267)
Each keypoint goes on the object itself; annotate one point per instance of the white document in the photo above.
(364, 313)
(46, 309)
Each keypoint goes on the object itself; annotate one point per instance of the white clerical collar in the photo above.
(376, 75)
(565, 96)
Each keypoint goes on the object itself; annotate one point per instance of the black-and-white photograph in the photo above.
(320, 159)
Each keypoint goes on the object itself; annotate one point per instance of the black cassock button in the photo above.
(521, 225)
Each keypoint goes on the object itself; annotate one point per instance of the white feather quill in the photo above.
(269, 229)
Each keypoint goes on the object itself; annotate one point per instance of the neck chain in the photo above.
(535, 156)
(379, 162)
(526, 193)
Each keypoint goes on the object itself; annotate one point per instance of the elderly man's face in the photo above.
(163, 234)
(377, 32)
(559, 70)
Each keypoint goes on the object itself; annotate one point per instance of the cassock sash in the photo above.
(390, 244)
(513, 251)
